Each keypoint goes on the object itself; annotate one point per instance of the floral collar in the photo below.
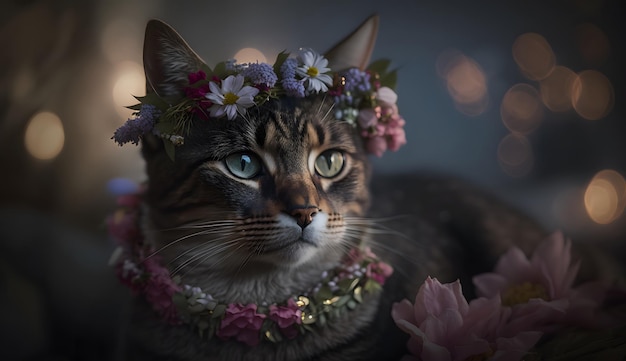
(339, 290)
(362, 98)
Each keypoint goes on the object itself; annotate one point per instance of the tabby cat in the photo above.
(256, 209)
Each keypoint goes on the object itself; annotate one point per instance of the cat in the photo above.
(243, 213)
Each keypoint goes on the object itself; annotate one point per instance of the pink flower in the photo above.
(122, 225)
(396, 137)
(379, 272)
(368, 118)
(376, 145)
(386, 96)
(159, 289)
(443, 326)
(540, 289)
(241, 322)
(196, 77)
(358, 255)
(287, 318)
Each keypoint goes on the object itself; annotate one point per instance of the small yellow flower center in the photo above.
(312, 72)
(230, 98)
(523, 292)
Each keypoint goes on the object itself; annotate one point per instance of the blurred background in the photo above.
(523, 98)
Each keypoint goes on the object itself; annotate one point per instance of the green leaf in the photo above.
(220, 70)
(207, 70)
(323, 294)
(280, 59)
(218, 311)
(136, 107)
(154, 99)
(379, 66)
(389, 80)
(170, 149)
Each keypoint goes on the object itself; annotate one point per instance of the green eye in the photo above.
(243, 165)
(329, 163)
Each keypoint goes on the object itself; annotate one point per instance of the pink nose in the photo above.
(304, 216)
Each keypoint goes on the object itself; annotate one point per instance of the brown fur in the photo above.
(245, 240)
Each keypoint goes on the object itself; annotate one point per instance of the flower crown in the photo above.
(363, 98)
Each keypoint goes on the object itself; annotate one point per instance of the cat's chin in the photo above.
(290, 254)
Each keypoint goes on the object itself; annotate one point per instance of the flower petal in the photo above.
(490, 284)
(515, 267)
(386, 95)
(403, 310)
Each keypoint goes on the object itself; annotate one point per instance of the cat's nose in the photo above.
(304, 215)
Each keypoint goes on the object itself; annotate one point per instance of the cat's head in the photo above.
(276, 186)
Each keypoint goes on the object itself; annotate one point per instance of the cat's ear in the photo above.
(167, 60)
(356, 49)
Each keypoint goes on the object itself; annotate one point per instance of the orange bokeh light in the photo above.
(521, 109)
(556, 89)
(592, 95)
(465, 80)
(605, 196)
(534, 56)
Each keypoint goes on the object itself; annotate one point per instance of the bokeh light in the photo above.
(465, 80)
(556, 89)
(605, 196)
(593, 44)
(129, 82)
(521, 109)
(592, 95)
(44, 137)
(534, 56)
(515, 155)
(250, 55)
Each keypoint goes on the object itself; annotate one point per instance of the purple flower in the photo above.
(291, 85)
(241, 322)
(135, 128)
(356, 80)
(260, 74)
(287, 318)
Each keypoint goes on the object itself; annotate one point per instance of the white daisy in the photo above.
(313, 71)
(231, 98)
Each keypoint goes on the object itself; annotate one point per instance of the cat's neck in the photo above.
(259, 284)
(254, 282)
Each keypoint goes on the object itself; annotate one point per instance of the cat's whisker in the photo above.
(200, 256)
(197, 247)
(204, 232)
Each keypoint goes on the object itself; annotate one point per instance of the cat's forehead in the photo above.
(278, 127)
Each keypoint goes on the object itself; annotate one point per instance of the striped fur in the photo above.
(242, 240)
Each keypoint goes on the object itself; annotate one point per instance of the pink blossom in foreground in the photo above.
(443, 326)
(539, 289)
(287, 318)
(241, 322)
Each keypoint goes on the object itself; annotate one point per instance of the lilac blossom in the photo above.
(137, 127)
(260, 74)
(292, 87)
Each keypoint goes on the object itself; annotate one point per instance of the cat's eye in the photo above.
(329, 163)
(243, 165)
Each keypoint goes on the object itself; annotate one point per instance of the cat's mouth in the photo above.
(299, 242)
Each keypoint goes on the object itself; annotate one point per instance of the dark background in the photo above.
(466, 68)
